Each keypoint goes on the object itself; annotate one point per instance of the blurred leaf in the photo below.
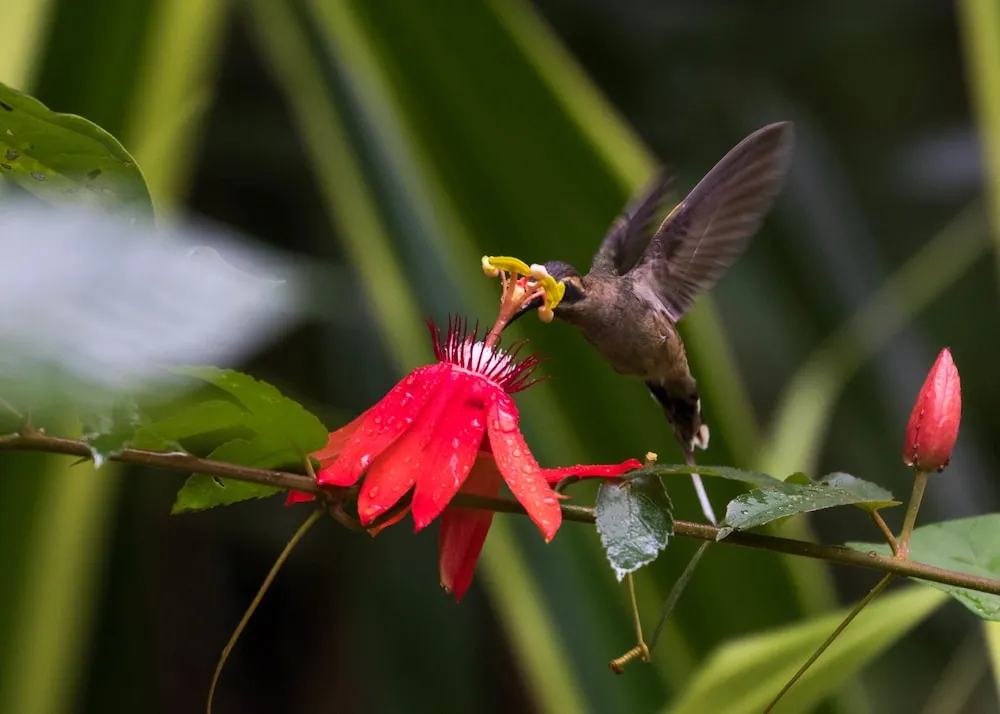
(742, 677)
(635, 520)
(992, 632)
(784, 498)
(202, 418)
(109, 431)
(174, 91)
(979, 22)
(806, 404)
(120, 301)
(967, 545)
(63, 157)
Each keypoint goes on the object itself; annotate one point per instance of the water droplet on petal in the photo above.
(528, 468)
(548, 500)
(365, 460)
(373, 492)
(454, 443)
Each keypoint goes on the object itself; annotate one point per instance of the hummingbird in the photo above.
(641, 282)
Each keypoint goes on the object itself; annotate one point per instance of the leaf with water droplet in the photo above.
(967, 545)
(63, 157)
(200, 492)
(781, 499)
(635, 520)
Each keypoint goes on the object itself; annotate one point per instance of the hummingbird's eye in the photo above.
(574, 289)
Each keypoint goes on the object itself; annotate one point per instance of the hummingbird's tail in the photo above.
(682, 408)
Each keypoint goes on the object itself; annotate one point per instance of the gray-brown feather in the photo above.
(710, 228)
(630, 232)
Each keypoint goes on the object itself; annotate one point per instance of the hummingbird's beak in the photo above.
(527, 307)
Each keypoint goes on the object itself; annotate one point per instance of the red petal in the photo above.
(520, 470)
(453, 451)
(397, 469)
(382, 425)
(338, 439)
(463, 530)
(298, 497)
(375, 530)
(591, 470)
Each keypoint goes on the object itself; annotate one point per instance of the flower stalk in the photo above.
(910, 520)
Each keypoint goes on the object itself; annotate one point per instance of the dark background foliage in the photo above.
(394, 144)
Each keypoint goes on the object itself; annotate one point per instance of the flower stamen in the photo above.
(521, 283)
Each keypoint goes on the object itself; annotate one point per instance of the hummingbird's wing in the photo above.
(710, 228)
(629, 234)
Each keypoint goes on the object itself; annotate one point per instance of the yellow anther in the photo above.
(553, 289)
(651, 457)
(503, 262)
(489, 269)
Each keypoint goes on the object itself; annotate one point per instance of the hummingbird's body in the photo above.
(642, 282)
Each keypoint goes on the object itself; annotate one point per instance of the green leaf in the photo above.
(967, 545)
(284, 433)
(784, 498)
(287, 431)
(635, 520)
(742, 677)
(202, 418)
(109, 432)
(726, 472)
(201, 492)
(59, 157)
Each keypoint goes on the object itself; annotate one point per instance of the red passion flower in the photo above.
(446, 428)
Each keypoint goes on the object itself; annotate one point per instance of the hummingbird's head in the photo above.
(570, 278)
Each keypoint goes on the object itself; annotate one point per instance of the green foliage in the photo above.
(63, 157)
(727, 472)
(743, 676)
(967, 545)
(788, 498)
(635, 520)
(282, 432)
(774, 499)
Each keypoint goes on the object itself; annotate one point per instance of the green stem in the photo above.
(675, 593)
(829, 640)
(919, 483)
(889, 537)
(289, 547)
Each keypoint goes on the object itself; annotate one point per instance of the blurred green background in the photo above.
(395, 143)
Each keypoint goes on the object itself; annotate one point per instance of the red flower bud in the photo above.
(933, 426)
